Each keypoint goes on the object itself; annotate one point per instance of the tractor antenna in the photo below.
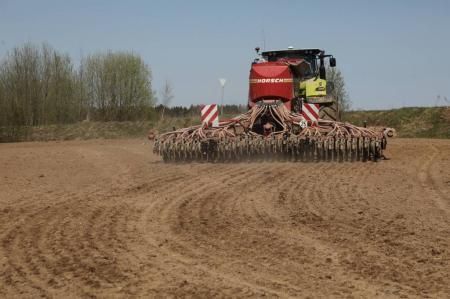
(264, 38)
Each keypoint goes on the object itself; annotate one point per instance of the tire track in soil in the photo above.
(92, 247)
(389, 253)
(351, 221)
(106, 220)
(79, 247)
(143, 189)
(429, 184)
(185, 252)
(243, 200)
(354, 213)
(257, 229)
(24, 237)
(316, 224)
(310, 197)
(246, 218)
(288, 245)
(206, 230)
(21, 280)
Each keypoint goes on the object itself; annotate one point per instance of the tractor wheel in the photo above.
(329, 112)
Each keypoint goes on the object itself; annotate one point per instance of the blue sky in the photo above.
(392, 53)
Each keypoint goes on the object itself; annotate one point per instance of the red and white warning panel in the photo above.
(310, 112)
(210, 115)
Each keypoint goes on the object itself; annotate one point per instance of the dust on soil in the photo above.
(108, 218)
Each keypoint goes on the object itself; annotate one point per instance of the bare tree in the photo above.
(166, 96)
(338, 90)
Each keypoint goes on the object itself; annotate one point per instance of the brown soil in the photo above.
(109, 219)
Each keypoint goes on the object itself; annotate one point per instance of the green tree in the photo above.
(40, 86)
(36, 85)
(117, 86)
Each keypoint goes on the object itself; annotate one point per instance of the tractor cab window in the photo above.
(313, 63)
(291, 57)
(309, 68)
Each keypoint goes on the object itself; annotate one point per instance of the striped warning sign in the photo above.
(310, 112)
(210, 115)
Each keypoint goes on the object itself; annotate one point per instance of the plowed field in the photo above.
(108, 218)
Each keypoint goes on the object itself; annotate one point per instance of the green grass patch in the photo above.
(409, 122)
(429, 122)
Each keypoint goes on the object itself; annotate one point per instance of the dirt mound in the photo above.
(108, 218)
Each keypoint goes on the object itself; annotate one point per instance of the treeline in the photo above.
(41, 86)
(194, 110)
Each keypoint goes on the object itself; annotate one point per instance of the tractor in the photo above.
(292, 116)
(295, 77)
